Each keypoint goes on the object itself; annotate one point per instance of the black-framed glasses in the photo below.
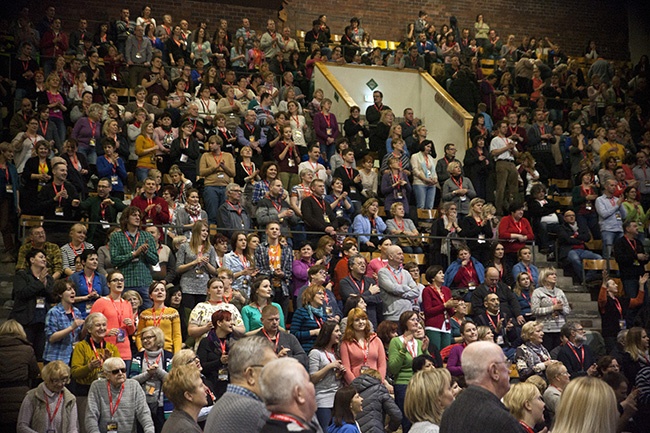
(61, 380)
(148, 337)
(119, 370)
(117, 280)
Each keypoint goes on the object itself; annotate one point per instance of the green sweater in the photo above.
(400, 360)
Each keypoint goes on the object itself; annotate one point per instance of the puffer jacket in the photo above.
(18, 372)
(377, 403)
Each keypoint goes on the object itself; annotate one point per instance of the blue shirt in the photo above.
(99, 285)
(56, 320)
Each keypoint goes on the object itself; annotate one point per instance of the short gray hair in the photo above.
(476, 359)
(284, 371)
(92, 318)
(112, 363)
(159, 335)
(231, 186)
(247, 352)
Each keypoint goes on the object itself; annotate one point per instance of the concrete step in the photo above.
(578, 296)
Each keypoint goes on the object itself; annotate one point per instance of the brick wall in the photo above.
(567, 23)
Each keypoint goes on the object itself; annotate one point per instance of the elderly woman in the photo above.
(395, 184)
(308, 319)
(525, 403)
(149, 368)
(213, 351)
(36, 414)
(89, 355)
(184, 388)
(88, 132)
(458, 189)
(438, 306)
(408, 236)
(558, 378)
(369, 226)
(550, 306)
(428, 395)
(115, 402)
(531, 357)
(62, 324)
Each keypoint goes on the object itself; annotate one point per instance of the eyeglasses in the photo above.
(191, 361)
(148, 337)
(118, 370)
(61, 380)
(235, 190)
(117, 280)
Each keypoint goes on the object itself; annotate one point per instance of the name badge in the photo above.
(89, 307)
(481, 238)
(9, 189)
(223, 374)
(92, 142)
(156, 267)
(40, 302)
(500, 340)
(105, 224)
(353, 190)
(329, 131)
(339, 213)
(183, 158)
(621, 323)
(137, 56)
(291, 163)
(618, 216)
(58, 211)
(121, 335)
(114, 180)
(221, 175)
(326, 218)
(111, 425)
(463, 197)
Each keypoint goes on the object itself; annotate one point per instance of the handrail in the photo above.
(449, 104)
(338, 87)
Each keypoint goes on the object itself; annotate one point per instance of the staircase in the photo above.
(584, 305)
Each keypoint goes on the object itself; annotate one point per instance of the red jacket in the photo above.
(507, 226)
(434, 307)
(158, 218)
(49, 48)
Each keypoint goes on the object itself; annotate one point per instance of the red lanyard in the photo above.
(401, 276)
(56, 192)
(92, 344)
(364, 350)
(222, 344)
(618, 307)
(321, 205)
(581, 359)
(93, 128)
(83, 247)
(360, 288)
(492, 321)
(118, 311)
(288, 419)
(297, 120)
(243, 260)
(50, 417)
(156, 320)
(518, 224)
(632, 244)
(44, 128)
(133, 244)
(439, 293)
(459, 184)
(327, 120)
(219, 160)
(89, 282)
(236, 209)
(526, 427)
(277, 206)
(248, 171)
(412, 350)
(349, 172)
(319, 322)
(585, 191)
(149, 364)
(399, 225)
(112, 408)
(277, 339)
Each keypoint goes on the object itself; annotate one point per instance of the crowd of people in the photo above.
(301, 312)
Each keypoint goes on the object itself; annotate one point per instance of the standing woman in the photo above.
(287, 155)
(477, 227)
(35, 411)
(326, 128)
(239, 264)
(186, 150)
(458, 189)
(261, 295)
(63, 324)
(550, 306)
(424, 175)
(55, 101)
(165, 318)
(311, 317)
(186, 217)
(196, 262)
(395, 185)
(9, 201)
(111, 166)
(361, 348)
(200, 48)
(32, 293)
(36, 173)
(75, 247)
(114, 401)
(119, 315)
(88, 132)
(438, 306)
(149, 368)
(145, 148)
(326, 370)
(246, 174)
(213, 351)
(401, 351)
(298, 124)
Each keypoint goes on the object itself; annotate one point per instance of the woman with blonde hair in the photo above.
(550, 306)
(588, 405)
(360, 348)
(146, 149)
(636, 354)
(526, 404)
(532, 358)
(196, 261)
(369, 225)
(427, 396)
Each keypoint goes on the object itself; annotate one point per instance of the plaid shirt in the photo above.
(286, 264)
(135, 269)
(57, 320)
(259, 190)
(52, 254)
(240, 390)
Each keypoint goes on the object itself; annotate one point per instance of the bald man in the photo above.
(399, 292)
(508, 301)
(487, 372)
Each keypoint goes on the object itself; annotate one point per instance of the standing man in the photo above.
(317, 213)
(487, 373)
(408, 128)
(231, 215)
(289, 44)
(503, 150)
(641, 173)
(275, 261)
(373, 112)
(516, 133)
(241, 408)
(631, 257)
(270, 42)
(540, 137)
(133, 252)
(274, 208)
(246, 32)
(285, 343)
(122, 29)
(443, 163)
(102, 209)
(292, 405)
(577, 356)
(138, 55)
(399, 293)
(320, 172)
(358, 284)
(58, 201)
(610, 216)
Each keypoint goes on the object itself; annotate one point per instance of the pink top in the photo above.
(354, 357)
(374, 266)
(116, 312)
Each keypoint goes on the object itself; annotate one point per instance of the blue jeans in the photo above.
(144, 293)
(425, 195)
(324, 415)
(214, 196)
(90, 153)
(60, 130)
(575, 258)
(400, 395)
(608, 240)
(141, 173)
